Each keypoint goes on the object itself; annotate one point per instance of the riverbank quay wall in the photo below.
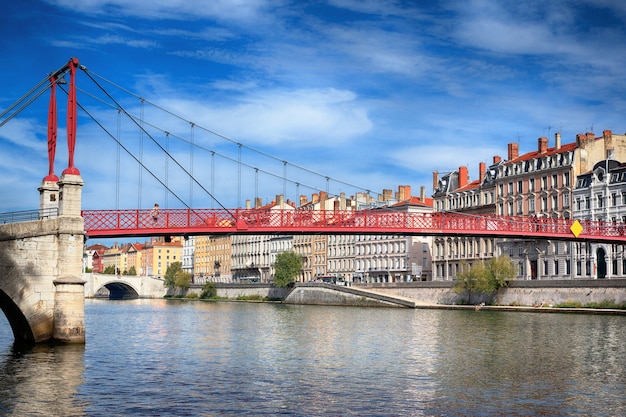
(430, 293)
(522, 293)
(307, 293)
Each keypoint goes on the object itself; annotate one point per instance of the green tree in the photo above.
(498, 272)
(209, 290)
(182, 279)
(485, 277)
(109, 269)
(132, 270)
(287, 267)
(170, 274)
(469, 279)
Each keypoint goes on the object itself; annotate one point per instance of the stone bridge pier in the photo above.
(41, 287)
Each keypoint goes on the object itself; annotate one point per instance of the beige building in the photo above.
(159, 254)
(213, 258)
(537, 184)
(395, 258)
(251, 259)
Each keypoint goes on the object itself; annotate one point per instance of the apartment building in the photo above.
(454, 191)
(213, 258)
(189, 247)
(160, 253)
(600, 194)
(536, 184)
(251, 258)
(395, 258)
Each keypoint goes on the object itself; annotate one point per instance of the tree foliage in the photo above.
(485, 277)
(209, 290)
(132, 270)
(176, 277)
(287, 267)
(110, 269)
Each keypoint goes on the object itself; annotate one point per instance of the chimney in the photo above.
(557, 140)
(463, 176)
(422, 193)
(248, 204)
(280, 200)
(482, 170)
(303, 200)
(609, 150)
(590, 136)
(323, 196)
(315, 198)
(387, 195)
(435, 180)
(404, 192)
(258, 202)
(496, 159)
(542, 144)
(513, 151)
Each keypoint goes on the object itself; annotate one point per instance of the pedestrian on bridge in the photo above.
(155, 212)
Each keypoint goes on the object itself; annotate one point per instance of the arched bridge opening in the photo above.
(19, 325)
(117, 291)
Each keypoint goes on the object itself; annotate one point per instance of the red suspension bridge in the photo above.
(116, 223)
(198, 221)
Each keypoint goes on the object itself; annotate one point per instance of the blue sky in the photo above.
(371, 94)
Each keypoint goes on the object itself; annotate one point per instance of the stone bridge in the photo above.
(118, 287)
(41, 288)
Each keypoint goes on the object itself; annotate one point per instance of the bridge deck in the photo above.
(127, 223)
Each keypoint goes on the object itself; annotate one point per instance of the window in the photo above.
(520, 187)
(510, 213)
(531, 185)
(544, 203)
(519, 206)
(614, 199)
(544, 183)
(531, 205)
(600, 200)
(501, 189)
(555, 181)
(510, 188)
(566, 179)
(587, 203)
(566, 200)
(555, 202)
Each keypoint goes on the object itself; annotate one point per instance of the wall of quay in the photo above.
(519, 293)
(522, 293)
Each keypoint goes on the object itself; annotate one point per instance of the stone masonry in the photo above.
(41, 289)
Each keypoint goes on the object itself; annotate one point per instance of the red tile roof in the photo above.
(550, 151)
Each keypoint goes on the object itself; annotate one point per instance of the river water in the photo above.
(194, 358)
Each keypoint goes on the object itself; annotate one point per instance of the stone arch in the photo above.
(117, 290)
(18, 322)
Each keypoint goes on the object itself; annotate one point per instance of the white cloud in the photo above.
(229, 10)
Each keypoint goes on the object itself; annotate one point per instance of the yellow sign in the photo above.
(576, 228)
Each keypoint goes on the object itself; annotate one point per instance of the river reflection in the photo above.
(41, 381)
(170, 358)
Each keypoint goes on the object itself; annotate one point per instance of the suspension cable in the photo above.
(227, 138)
(86, 71)
(213, 152)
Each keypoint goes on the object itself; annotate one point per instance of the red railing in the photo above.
(125, 223)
